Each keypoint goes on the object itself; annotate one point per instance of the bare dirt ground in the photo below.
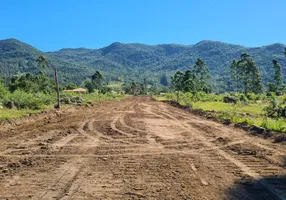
(136, 149)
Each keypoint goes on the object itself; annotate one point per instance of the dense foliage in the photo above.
(27, 92)
(246, 75)
(195, 79)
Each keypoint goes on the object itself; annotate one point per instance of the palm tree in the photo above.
(43, 61)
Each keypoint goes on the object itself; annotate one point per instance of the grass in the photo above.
(251, 113)
(253, 109)
(6, 114)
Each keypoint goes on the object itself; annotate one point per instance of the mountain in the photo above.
(134, 60)
(17, 57)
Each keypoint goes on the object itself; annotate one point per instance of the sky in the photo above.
(50, 25)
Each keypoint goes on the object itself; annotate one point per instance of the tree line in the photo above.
(244, 73)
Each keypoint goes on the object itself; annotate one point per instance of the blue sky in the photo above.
(54, 24)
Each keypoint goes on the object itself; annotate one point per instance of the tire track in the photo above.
(246, 170)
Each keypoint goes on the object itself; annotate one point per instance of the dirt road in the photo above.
(136, 149)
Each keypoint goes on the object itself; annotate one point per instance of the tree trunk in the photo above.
(178, 93)
(57, 89)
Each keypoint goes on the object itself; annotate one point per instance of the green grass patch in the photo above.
(6, 114)
(253, 109)
(251, 113)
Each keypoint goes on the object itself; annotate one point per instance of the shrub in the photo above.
(23, 100)
(255, 97)
(276, 125)
(171, 96)
(275, 109)
(241, 97)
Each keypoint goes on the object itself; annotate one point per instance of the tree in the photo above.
(133, 87)
(234, 74)
(89, 85)
(164, 80)
(3, 90)
(202, 76)
(189, 82)
(97, 79)
(144, 87)
(278, 77)
(43, 61)
(249, 74)
(31, 83)
(178, 83)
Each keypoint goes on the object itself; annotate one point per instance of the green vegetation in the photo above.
(246, 75)
(249, 104)
(278, 87)
(28, 94)
(253, 112)
(246, 88)
(122, 62)
(43, 61)
(15, 114)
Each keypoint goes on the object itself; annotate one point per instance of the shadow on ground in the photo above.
(248, 189)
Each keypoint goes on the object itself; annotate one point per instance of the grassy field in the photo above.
(6, 114)
(252, 112)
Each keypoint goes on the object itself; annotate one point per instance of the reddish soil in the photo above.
(136, 149)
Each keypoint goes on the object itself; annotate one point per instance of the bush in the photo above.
(241, 97)
(255, 97)
(275, 125)
(275, 109)
(171, 96)
(23, 100)
(105, 90)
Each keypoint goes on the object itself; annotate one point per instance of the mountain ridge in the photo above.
(136, 60)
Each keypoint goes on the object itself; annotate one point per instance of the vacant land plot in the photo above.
(136, 149)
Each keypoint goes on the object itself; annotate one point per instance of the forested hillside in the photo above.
(120, 61)
(17, 57)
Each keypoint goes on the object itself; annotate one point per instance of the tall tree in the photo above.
(43, 61)
(249, 74)
(190, 82)
(178, 83)
(97, 79)
(278, 77)
(234, 74)
(202, 76)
